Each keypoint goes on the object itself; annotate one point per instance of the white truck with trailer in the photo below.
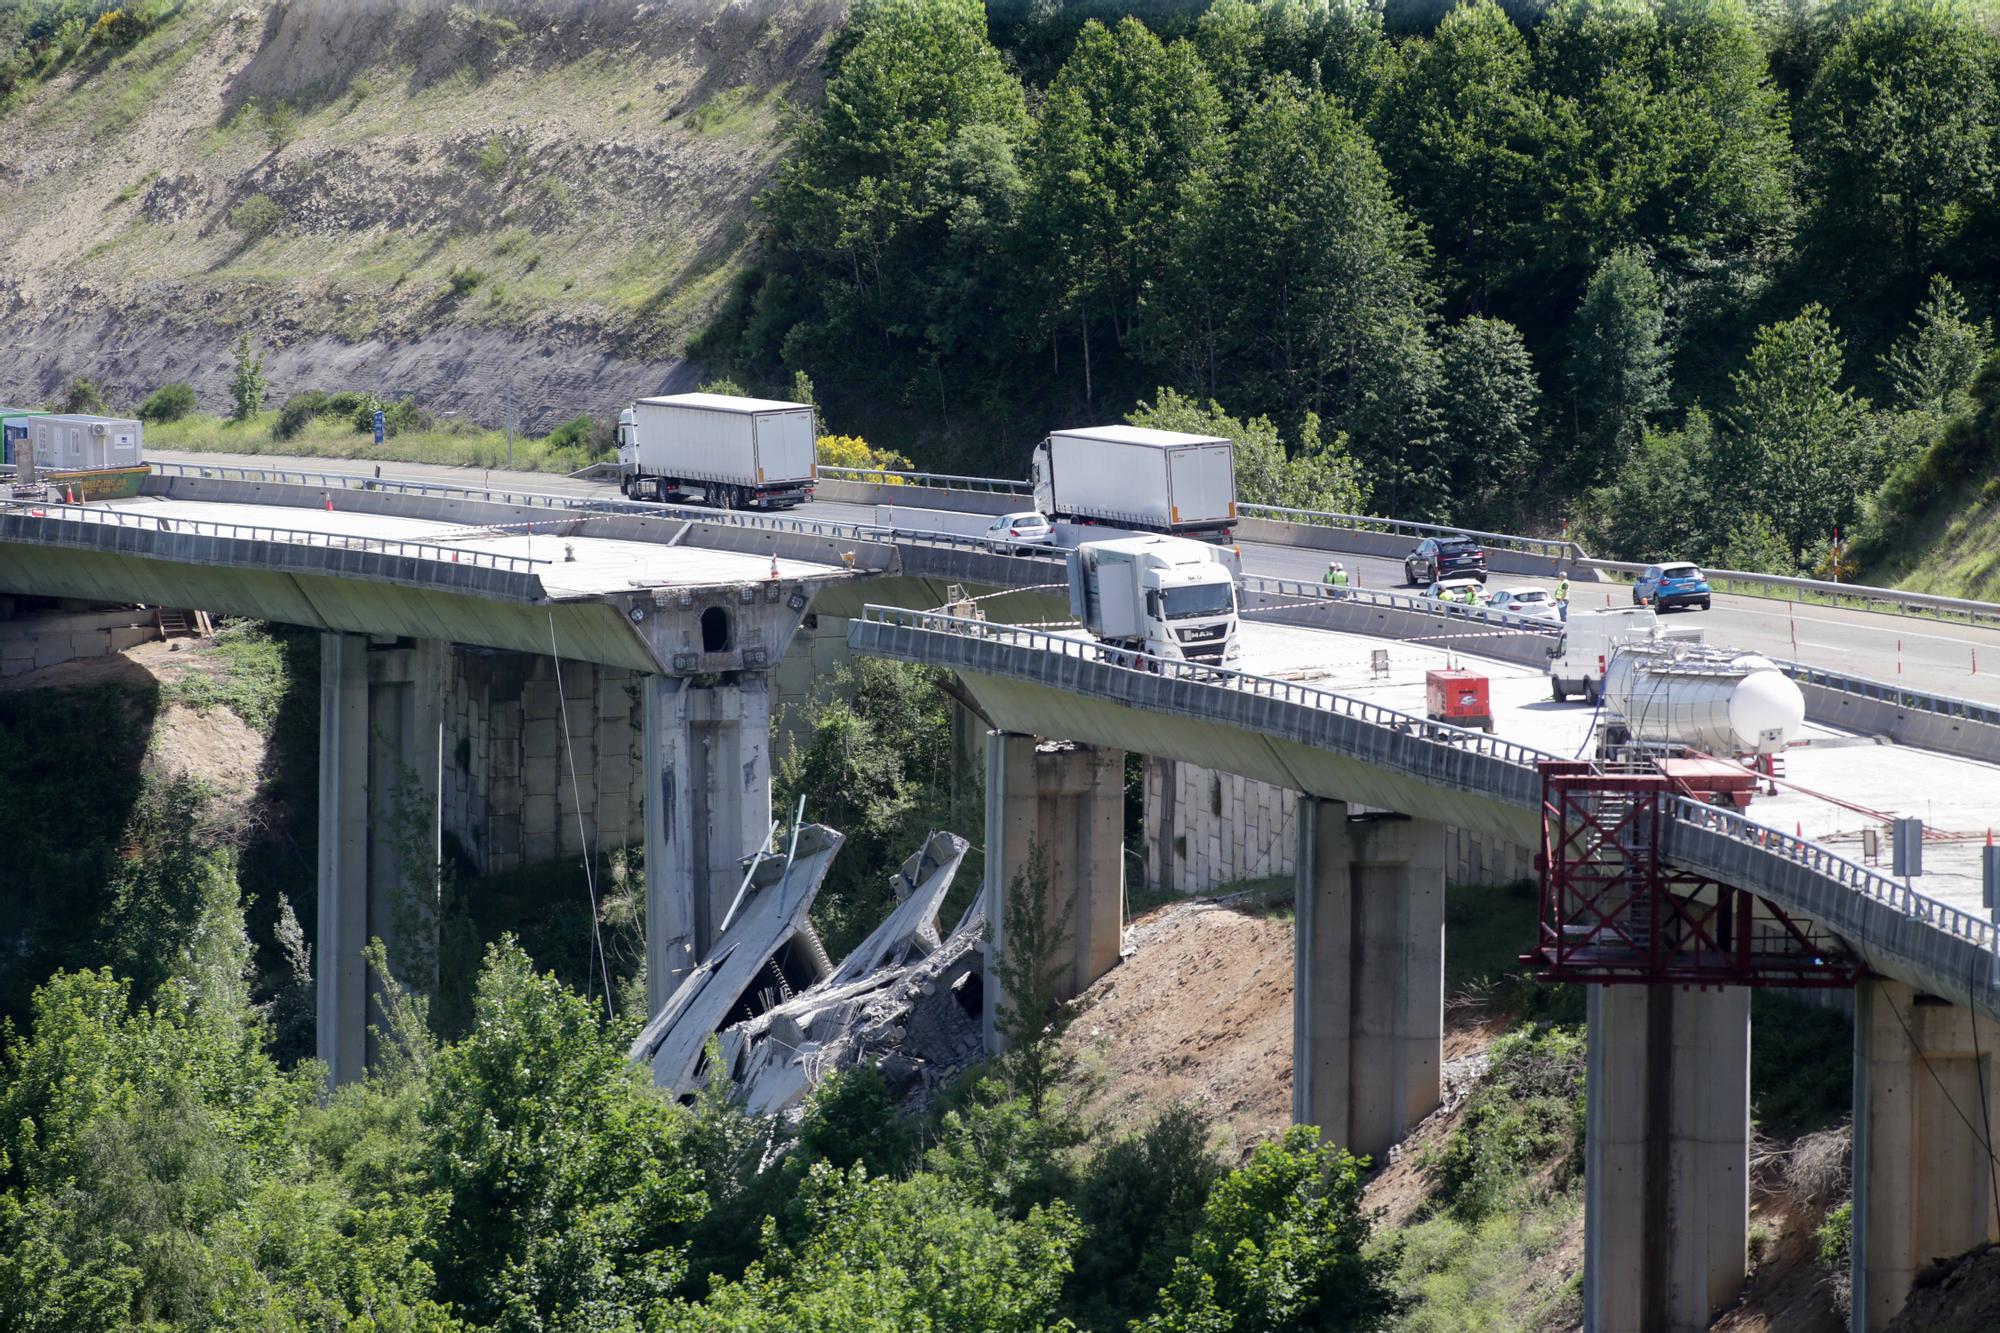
(733, 453)
(1144, 480)
(1166, 597)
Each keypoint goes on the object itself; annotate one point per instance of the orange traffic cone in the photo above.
(329, 501)
(774, 564)
(69, 496)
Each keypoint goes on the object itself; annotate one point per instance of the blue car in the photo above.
(1664, 587)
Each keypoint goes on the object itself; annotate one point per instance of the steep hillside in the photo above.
(414, 198)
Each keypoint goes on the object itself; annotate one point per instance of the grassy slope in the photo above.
(456, 443)
(602, 189)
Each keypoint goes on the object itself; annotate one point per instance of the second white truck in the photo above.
(732, 453)
(1163, 596)
(1132, 477)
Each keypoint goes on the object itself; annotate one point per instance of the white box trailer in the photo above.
(72, 443)
(1133, 477)
(736, 453)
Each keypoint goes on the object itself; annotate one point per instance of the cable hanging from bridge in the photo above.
(582, 838)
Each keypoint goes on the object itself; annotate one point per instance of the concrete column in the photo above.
(1923, 1175)
(1666, 1157)
(381, 733)
(707, 775)
(1368, 976)
(1068, 800)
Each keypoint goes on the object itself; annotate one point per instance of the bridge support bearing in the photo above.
(1666, 1157)
(381, 729)
(707, 770)
(1068, 800)
(1923, 1179)
(1368, 980)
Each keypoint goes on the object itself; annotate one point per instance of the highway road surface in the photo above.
(1937, 657)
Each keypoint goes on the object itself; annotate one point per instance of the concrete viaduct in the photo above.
(693, 611)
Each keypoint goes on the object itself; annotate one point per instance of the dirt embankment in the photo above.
(423, 199)
(1201, 1013)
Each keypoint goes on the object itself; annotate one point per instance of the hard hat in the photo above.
(1333, 564)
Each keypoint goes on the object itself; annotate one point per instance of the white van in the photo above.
(1576, 663)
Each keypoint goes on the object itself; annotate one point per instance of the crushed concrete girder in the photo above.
(907, 999)
(768, 954)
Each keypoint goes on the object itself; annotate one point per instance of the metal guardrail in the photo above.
(1893, 601)
(1831, 865)
(937, 481)
(1413, 603)
(1889, 600)
(1900, 696)
(1555, 548)
(1284, 691)
(585, 504)
(117, 518)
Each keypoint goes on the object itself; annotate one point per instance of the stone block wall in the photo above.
(1205, 829)
(45, 639)
(507, 791)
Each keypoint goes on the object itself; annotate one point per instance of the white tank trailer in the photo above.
(1711, 699)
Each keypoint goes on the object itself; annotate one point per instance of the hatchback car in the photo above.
(1443, 558)
(1664, 587)
(1537, 602)
(1024, 529)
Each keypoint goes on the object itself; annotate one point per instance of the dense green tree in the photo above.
(1672, 138)
(1130, 131)
(1336, 46)
(1140, 1201)
(1302, 289)
(1283, 1247)
(1897, 133)
(892, 1255)
(914, 142)
(565, 1175)
(1489, 420)
(1796, 445)
(1469, 139)
(1318, 474)
(1618, 365)
(1932, 365)
(1659, 504)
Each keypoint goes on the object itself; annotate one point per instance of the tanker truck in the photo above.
(1164, 596)
(1714, 700)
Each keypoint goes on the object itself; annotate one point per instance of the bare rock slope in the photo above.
(410, 198)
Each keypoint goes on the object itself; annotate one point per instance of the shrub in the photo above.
(494, 157)
(299, 412)
(117, 29)
(169, 402)
(257, 215)
(281, 124)
(576, 431)
(345, 403)
(84, 395)
(1526, 1113)
(853, 451)
(463, 280)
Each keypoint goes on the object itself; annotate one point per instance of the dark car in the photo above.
(1438, 558)
(1668, 586)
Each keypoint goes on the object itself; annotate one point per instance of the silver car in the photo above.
(1537, 602)
(1027, 528)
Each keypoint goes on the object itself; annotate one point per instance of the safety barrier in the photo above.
(937, 481)
(90, 515)
(1892, 601)
(1245, 682)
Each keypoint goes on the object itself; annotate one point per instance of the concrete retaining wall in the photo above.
(1205, 829)
(48, 639)
(868, 493)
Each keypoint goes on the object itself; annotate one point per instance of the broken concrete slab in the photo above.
(768, 954)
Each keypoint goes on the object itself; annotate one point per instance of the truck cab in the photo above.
(1166, 597)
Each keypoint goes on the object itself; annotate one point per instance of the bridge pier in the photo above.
(1069, 801)
(1368, 980)
(707, 774)
(1923, 1177)
(1666, 1157)
(381, 723)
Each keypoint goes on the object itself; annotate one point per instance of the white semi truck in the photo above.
(1163, 596)
(1146, 480)
(733, 453)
